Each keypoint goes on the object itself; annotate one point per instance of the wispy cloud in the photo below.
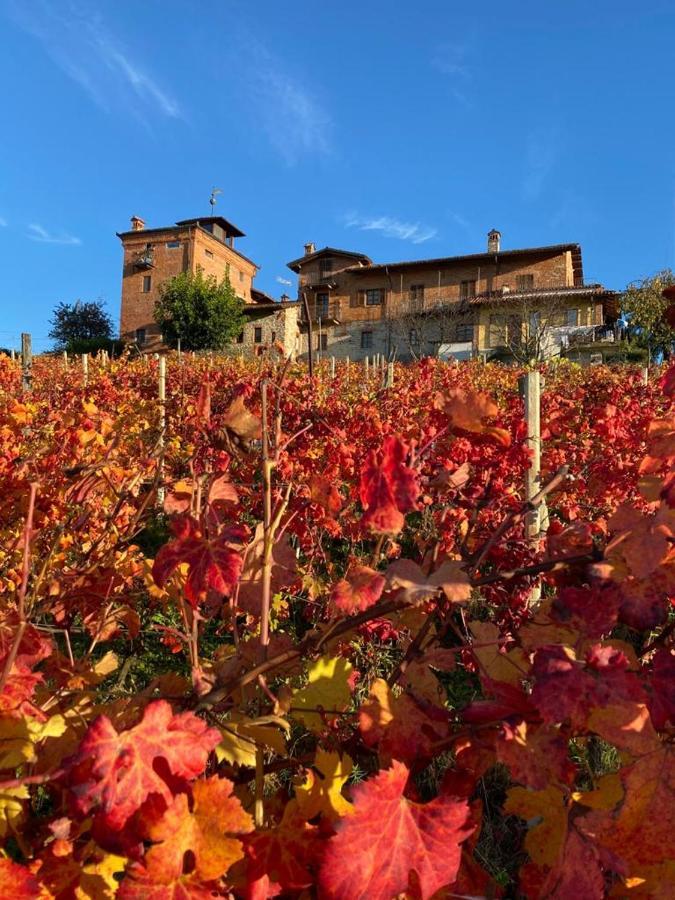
(291, 116)
(415, 232)
(285, 281)
(3, 222)
(77, 40)
(40, 234)
(541, 155)
(461, 221)
(451, 61)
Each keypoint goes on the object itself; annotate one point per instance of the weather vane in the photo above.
(212, 200)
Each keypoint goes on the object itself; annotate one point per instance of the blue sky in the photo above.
(400, 130)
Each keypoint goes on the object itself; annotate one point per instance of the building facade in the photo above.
(531, 300)
(153, 255)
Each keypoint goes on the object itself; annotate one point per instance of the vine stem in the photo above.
(517, 515)
(21, 602)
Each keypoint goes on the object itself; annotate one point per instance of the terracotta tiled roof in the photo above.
(228, 227)
(547, 250)
(587, 290)
(295, 264)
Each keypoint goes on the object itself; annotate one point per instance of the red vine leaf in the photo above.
(17, 882)
(468, 410)
(390, 843)
(115, 773)
(360, 590)
(205, 834)
(213, 564)
(388, 488)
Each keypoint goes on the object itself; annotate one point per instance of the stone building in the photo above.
(487, 303)
(153, 255)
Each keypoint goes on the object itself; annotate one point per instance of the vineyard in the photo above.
(273, 636)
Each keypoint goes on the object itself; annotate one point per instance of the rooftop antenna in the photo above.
(212, 200)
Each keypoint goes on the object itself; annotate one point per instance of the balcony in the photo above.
(322, 279)
(144, 259)
(326, 312)
(581, 335)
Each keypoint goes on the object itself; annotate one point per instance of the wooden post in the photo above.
(390, 375)
(65, 360)
(161, 394)
(365, 367)
(26, 362)
(645, 376)
(536, 522)
(12, 354)
(332, 367)
(85, 369)
(179, 357)
(530, 389)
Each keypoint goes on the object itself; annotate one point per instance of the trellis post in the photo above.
(161, 394)
(26, 362)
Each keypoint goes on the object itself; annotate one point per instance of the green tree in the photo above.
(81, 323)
(645, 308)
(204, 313)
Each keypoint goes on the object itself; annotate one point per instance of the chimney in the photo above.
(310, 248)
(494, 240)
(137, 224)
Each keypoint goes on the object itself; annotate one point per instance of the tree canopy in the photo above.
(204, 313)
(84, 322)
(646, 308)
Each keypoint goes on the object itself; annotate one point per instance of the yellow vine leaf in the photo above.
(322, 793)
(98, 878)
(327, 689)
(546, 817)
(510, 667)
(18, 738)
(11, 808)
(242, 736)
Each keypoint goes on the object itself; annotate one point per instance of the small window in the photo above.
(375, 297)
(357, 299)
(172, 245)
(524, 282)
(499, 331)
(322, 341)
(366, 340)
(417, 292)
(273, 337)
(209, 253)
(240, 337)
(147, 284)
(573, 316)
(241, 276)
(140, 336)
(413, 336)
(257, 335)
(322, 305)
(467, 289)
(463, 333)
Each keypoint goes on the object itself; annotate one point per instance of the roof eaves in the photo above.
(525, 251)
(294, 264)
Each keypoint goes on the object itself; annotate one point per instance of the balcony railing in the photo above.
(145, 259)
(326, 312)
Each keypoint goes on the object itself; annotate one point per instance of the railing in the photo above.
(145, 259)
(577, 335)
(325, 312)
